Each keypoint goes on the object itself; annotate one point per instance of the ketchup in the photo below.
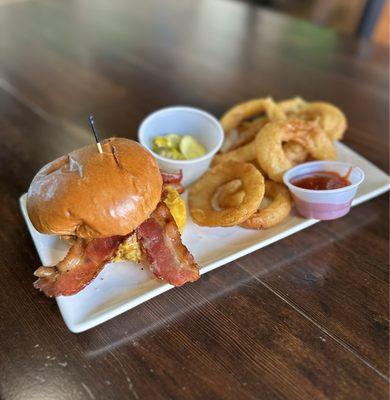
(322, 180)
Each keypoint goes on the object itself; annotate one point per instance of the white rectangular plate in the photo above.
(122, 286)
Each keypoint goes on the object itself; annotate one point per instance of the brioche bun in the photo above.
(90, 195)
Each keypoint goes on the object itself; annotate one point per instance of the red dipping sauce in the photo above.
(322, 180)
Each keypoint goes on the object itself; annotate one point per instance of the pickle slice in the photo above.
(170, 141)
(167, 152)
(173, 140)
(191, 148)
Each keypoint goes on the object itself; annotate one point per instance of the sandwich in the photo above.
(111, 206)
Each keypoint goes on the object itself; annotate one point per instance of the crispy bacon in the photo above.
(166, 255)
(84, 261)
(160, 242)
(172, 177)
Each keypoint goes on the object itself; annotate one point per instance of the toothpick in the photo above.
(92, 123)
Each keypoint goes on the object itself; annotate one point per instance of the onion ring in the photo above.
(249, 109)
(243, 134)
(295, 152)
(246, 131)
(292, 105)
(231, 194)
(330, 118)
(269, 145)
(265, 217)
(275, 212)
(244, 153)
(319, 145)
(201, 194)
(230, 141)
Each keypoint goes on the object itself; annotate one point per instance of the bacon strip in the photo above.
(172, 177)
(85, 259)
(160, 241)
(166, 255)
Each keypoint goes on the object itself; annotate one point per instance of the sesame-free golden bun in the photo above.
(90, 195)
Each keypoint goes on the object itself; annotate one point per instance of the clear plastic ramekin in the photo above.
(324, 204)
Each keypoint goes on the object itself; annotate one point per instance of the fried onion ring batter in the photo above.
(292, 105)
(295, 152)
(244, 153)
(243, 134)
(202, 192)
(330, 118)
(231, 194)
(246, 131)
(275, 212)
(266, 216)
(240, 112)
(269, 145)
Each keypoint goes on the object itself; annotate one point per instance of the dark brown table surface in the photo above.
(305, 318)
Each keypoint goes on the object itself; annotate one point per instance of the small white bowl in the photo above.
(324, 204)
(183, 121)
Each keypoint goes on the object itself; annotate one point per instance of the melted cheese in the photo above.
(130, 249)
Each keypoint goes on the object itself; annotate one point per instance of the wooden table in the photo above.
(305, 318)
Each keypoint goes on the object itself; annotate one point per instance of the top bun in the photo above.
(92, 195)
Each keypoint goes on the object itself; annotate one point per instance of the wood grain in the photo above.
(305, 318)
(333, 277)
